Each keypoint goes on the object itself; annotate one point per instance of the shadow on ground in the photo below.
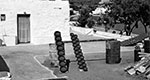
(97, 70)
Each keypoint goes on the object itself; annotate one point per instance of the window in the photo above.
(3, 17)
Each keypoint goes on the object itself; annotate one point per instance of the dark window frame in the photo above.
(3, 17)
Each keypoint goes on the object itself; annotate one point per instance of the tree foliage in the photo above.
(130, 11)
(127, 12)
(85, 17)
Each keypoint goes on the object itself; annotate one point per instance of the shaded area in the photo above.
(3, 65)
(58, 79)
(48, 63)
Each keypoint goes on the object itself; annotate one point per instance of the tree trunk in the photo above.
(144, 27)
(106, 28)
(127, 30)
(133, 28)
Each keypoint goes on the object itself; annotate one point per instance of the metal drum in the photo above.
(113, 52)
(147, 46)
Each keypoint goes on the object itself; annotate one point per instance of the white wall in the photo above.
(45, 18)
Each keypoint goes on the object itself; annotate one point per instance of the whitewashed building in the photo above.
(33, 21)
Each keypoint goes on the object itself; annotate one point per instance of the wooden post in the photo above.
(113, 52)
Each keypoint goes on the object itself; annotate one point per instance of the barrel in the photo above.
(137, 55)
(147, 46)
(113, 52)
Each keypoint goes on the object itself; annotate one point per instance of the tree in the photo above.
(84, 15)
(130, 12)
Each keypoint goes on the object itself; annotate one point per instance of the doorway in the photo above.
(23, 28)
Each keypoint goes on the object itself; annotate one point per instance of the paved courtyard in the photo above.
(23, 66)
